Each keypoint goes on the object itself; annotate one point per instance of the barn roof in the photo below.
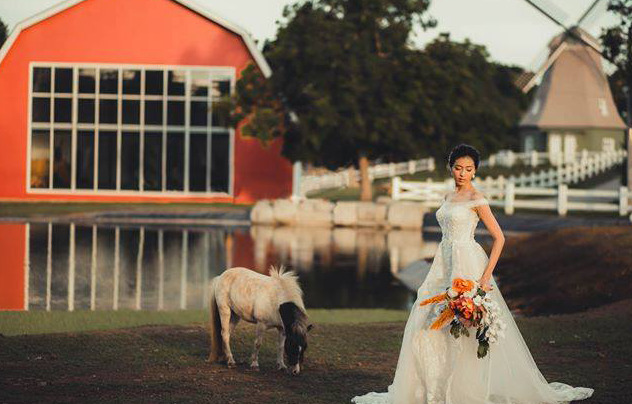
(203, 11)
(574, 93)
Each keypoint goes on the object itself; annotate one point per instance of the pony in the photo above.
(274, 301)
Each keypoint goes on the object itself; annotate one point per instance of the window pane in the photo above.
(221, 113)
(40, 158)
(153, 161)
(200, 81)
(41, 109)
(86, 111)
(61, 159)
(221, 104)
(199, 113)
(107, 160)
(197, 162)
(219, 162)
(63, 110)
(109, 81)
(63, 80)
(131, 111)
(220, 88)
(153, 112)
(41, 79)
(85, 160)
(153, 82)
(175, 83)
(175, 113)
(107, 111)
(131, 81)
(87, 81)
(175, 161)
(130, 160)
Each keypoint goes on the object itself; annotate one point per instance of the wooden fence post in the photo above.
(623, 201)
(509, 198)
(562, 199)
(396, 188)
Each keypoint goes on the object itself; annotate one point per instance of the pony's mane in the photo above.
(288, 283)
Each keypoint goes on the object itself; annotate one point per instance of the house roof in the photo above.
(574, 93)
(203, 11)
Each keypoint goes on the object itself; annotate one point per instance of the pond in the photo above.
(98, 266)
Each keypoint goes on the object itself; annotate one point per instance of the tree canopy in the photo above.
(617, 43)
(347, 83)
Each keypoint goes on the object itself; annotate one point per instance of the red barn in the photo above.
(125, 100)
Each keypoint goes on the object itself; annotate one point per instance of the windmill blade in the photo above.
(537, 4)
(526, 82)
(596, 10)
(588, 11)
(551, 11)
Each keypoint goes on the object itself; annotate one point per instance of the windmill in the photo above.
(573, 108)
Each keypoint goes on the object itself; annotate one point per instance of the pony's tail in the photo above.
(215, 327)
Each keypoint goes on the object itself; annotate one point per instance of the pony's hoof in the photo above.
(254, 368)
(231, 365)
(281, 367)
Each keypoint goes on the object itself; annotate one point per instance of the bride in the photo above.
(433, 366)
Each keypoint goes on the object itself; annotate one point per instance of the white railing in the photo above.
(560, 199)
(508, 158)
(345, 178)
(553, 183)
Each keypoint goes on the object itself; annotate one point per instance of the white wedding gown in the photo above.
(436, 368)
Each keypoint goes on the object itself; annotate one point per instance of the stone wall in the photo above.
(322, 213)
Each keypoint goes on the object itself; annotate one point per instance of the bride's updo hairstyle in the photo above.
(463, 150)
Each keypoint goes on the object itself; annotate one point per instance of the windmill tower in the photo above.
(573, 108)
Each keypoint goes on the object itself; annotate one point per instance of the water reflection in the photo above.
(85, 266)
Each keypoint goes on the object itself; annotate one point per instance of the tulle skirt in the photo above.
(436, 368)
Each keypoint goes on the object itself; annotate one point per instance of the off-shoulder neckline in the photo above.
(469, 200)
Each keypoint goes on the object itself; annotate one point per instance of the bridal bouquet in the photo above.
(466, 305)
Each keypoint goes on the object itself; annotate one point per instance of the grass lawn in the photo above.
(41, 322)
(166, 364)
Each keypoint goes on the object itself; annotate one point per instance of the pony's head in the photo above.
(296, 329)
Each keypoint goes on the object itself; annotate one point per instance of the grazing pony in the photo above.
(273, 301)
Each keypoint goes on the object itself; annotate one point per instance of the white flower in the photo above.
(478, 300)
(452, 293)
(492, 340)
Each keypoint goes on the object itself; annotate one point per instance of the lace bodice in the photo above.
(458, 220)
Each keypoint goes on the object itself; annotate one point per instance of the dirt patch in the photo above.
(168, 364)
(566, 270)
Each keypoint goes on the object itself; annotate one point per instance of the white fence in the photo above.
(508, 158)
(551, 184)
(560, 199)
(309, 183)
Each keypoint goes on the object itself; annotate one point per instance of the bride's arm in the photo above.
(487, 217)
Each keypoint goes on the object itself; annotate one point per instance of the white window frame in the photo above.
(226, 72)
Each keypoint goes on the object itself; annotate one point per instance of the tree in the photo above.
(3, 32)
(341, 69)
(617, 43)
(347, 86)
(466, 98)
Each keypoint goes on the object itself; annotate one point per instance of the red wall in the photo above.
(159, 32)
(12, 249)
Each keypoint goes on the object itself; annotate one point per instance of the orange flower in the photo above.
(446, 315)
(461, 285)
(434, 299)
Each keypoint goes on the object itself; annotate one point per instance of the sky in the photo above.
(513, 31)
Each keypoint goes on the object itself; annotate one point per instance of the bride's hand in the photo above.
(484, 284)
